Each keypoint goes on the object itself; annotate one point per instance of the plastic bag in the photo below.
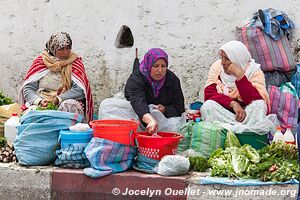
(79, 127)
(296, 80)
(38, 133)
(285, 106)
(190, 153)
(275, 78)
(289, 88)
(107, 157)
(167, 124)
(173, 165)
(72, 157)
(115, 108)
(186, 130)
(203, 137)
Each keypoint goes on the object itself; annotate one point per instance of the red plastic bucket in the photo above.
(156, 147)
(121, 131)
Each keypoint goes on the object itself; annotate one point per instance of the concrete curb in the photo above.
(51, 183)
(76, 185)
(32, 183)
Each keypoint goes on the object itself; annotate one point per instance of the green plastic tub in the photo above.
(255, 140)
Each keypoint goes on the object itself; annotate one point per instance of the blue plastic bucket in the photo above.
(73, 138)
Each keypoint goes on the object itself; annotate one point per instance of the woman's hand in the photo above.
(44, 103)
(240, 113)
(235, 70)
(55, 101)
(152, 125)
(160, 107)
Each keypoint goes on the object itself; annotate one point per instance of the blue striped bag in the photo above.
(272, 55)
(296, 80)
(203, 137)
(107, 157)
(285, 106)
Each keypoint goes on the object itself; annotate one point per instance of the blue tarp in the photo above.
(250, 182)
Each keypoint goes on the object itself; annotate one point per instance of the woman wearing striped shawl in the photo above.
(58, 76)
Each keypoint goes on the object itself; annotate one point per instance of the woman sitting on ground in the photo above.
(154, 83)
(58, 76)
(235, 92)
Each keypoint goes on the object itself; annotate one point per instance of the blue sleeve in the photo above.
(29, 92)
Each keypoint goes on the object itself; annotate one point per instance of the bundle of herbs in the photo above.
(5, 100)
(50, 106)
(282, 159)
(199, 163)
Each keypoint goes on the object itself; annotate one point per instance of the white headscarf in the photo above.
(238, 53)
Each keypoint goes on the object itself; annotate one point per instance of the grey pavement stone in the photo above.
(22, 183)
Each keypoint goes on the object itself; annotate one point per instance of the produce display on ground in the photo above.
(277, 162)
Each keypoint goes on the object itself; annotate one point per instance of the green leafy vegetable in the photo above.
(239, 163)
(280, 150)
(50, 106)
(2, 142)
(216, 152)
(231, 140)
(199, 163)
(283, 171)
(5, 100)
(251, 153)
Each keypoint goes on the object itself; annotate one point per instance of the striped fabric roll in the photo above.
(271, 54)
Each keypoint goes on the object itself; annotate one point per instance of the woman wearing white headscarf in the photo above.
(235, 92)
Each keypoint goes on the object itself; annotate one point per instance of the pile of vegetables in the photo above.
(276, 162)
(233, 161)
(7, 152)
(281, 161)
(5, 100)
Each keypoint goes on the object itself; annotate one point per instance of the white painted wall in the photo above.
(189, 30)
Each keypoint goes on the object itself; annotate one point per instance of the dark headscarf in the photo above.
(58, 41)
(145, 68)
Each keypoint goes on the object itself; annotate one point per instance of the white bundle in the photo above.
(79, 127)
(171, 165)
